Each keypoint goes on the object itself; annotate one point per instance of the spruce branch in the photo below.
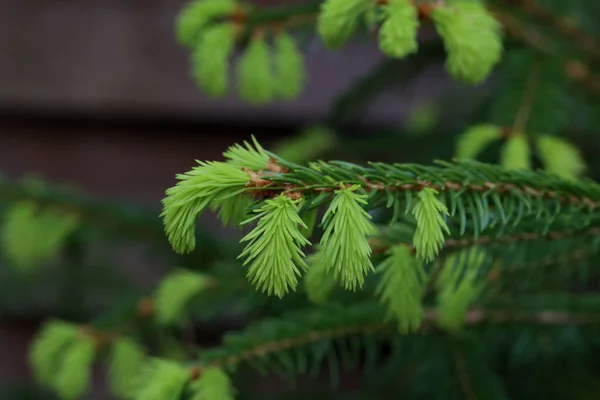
(333, 322)
(126, 220)
(568, 28)
(575, 69)
(465, 193)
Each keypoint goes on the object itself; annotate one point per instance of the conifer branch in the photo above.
(574, 69)
(452, 178)
(371, 314)
(569, 29)
(123, 219)
(379, 246)
(532, 83)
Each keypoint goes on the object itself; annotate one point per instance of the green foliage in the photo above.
(516, 153)
(274, 248)
(254, 158)
(161, 380)
(195, 17)
(401, 287)
(318, 282)
(504, 251)
(338, 20)
(560, 157)
(532, 97)
(429, 212)
(48, 348)
(398, 33)
(174, 293)
(73, 376)
(458, 286)
(457, 195)
(62, 357)
(473, 141)
(213, 384)
(210, 58)
(126, 359)
(207, 183)
(344, 246)
(472, 38)
(254, 73)
(32, 235)
(301, 342)
(290, 77)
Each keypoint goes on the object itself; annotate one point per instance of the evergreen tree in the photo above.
(469, 278)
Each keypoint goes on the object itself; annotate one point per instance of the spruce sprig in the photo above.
(398, 33)
(401, 287)
(344, 246)
(196, 190)
(430, 214)
(274, 247)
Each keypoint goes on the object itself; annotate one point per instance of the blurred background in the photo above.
(97, 95)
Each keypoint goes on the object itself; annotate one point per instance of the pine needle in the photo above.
(161, 380)
(472, 142)
(344, 245)
(516, 153)
(195, 191)
(318, 282)
(126, 359)
(429, 212)
(560, 157)
(73, 376)
(48, 348)
(213, 384)
(458, 289)
(398, 33)
(401, 287)
(174, 293)
(273, 248)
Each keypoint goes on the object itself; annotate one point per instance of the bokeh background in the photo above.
(97, 94)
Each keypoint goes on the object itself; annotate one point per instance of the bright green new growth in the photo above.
(289, 66)
(339, 19)
(515, 153)
(318, 282)
(73, 375)
(457, 289)
(126, 359)
(274, 247)
(196, 190)
(246, 156)
(197, 15)
(398, 33)
(254, 74)
(401, 287)
(161, 380)
(175, 292)
(345, 247)
(210, 58)
(472, 37)
(48, 349)
(560, 157)
(213, 384)
(32, 235)
(475, 140)
(429, 212)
